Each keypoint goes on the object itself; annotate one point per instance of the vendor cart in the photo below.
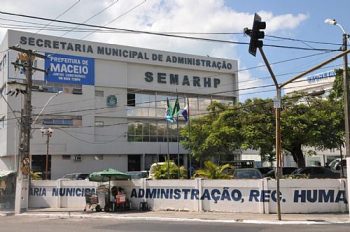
(91, 202)
(104, 176)
(97, 201)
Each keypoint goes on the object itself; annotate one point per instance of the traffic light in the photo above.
(255, 34)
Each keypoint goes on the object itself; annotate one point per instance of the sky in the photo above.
(289, 23)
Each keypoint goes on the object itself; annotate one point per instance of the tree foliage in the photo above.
(213, 171)
(169, 170)
(305, 122)
(310, 122)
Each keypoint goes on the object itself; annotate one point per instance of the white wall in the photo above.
(255, 196)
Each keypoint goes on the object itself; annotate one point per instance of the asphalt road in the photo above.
(37, 224)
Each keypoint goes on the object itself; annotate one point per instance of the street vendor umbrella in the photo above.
(108, 175)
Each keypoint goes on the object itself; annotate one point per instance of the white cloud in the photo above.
(282, 22)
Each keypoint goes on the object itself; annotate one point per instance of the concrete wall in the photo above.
(255, 196)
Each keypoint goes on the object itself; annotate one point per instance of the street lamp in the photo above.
(48, 133)
(46, 104)
(346, 99)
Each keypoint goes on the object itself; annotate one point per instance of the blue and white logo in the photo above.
(70, 69)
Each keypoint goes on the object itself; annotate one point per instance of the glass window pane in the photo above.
(131, 129)
(138, 128)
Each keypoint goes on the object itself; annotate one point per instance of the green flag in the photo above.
(176, 109)
(169, 112)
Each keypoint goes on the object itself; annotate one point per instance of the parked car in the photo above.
(315, 172)
(137, 174)
(265, 170)
(75, 176)
(336, 166)
(285, 172)
(247, 173)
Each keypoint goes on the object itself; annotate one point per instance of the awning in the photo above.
(4, 173)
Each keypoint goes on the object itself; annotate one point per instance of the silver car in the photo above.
(247, 173)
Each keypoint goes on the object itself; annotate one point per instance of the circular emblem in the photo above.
(112, 101)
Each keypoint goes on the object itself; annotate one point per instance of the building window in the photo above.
(66, 157)
(53, 121)
(152, 131)
(2, 121)
(99, 93)
(77, 91)
(61, 120)
(53, 87)
(131, 99)
(98, 157)
(153, 104)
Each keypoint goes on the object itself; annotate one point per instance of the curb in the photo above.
(170, 219)
(5, 214)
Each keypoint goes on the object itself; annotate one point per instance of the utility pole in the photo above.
(25, 61)
(346, 96)
(346, 113)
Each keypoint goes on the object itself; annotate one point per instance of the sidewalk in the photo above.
(191, 216)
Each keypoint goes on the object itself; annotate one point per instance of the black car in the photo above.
(315, 172)
(285, 172)
(265, 170)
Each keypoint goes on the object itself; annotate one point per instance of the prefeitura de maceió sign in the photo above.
(70, 69)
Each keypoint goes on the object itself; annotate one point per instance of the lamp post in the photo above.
(346, 99)
(48, 133)
(46, 104)
(44, 132)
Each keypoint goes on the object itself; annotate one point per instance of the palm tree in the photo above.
(169, 170)
(213, 171)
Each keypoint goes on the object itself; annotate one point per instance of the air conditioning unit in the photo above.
(77, 158)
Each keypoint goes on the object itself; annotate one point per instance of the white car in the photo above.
(75, 176)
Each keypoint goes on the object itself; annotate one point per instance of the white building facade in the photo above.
(106, 103)
(322, 81)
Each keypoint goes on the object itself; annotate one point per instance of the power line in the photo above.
(284, 74)
(117, 30)
(97, 14)
(116, 18)
(90, 142)
(301, 40)
(163, 34)
(113, 109)
(64, 12)
(287, 60)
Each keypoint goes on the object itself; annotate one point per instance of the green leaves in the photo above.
(213, 171)
(305, 121)
(169, 170)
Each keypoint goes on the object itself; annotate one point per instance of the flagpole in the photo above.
(178, 146)
(168, 155)
(189, 134)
